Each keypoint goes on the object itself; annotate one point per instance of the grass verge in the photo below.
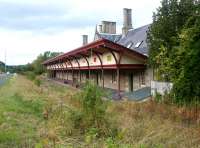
(51, 115)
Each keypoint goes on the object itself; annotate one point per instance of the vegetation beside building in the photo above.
(174, 43)
(2, 67)
(51, 115)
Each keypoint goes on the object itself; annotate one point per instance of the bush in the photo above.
(92, 104)
(158, 97)
(30, 75)
(37, 82)
(92, 113)
(86, 117)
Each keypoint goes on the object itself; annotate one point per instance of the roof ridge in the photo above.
(109, 33)
(139, 27)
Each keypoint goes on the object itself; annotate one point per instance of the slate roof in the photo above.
(112, 37)
(135, 36)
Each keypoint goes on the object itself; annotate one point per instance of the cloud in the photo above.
(30, 27)
(22, 47)
(49, 16)
(37, 17)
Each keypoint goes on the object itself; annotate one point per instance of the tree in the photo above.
(174, 41)
(37, 64)
(2, 66)
(168, 22)
(187, 79)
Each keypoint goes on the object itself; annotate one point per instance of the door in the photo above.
(130, 82)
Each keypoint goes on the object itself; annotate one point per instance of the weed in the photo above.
(158, 97)
(30, 75)
(37, 82)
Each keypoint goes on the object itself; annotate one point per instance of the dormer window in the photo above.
(138, 44)
(129, 45)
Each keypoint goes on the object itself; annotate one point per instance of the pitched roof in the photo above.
(95, 44)
(108, 36)
(136, 39)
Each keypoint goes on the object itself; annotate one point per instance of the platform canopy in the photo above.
(99, 47)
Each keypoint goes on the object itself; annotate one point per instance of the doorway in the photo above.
(131, 82)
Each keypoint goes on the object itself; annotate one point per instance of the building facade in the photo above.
(114, 61)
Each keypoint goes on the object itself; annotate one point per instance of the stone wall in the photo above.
(140, 78)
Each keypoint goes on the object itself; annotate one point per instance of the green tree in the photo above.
(37, 64)
(2, 66)
(187, 76)
(168, 22)
(174, 41)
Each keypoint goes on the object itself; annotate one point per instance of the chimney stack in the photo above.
(85, 39)
(127, 24)
(100, 28)
(108, 27)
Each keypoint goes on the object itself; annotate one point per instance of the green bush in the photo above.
(158, 97)
(92, 104)
(91, 115)
(30, 75)
(37, 82)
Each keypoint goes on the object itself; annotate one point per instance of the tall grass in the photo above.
(19, 114)
(59, 116)
(86, 118)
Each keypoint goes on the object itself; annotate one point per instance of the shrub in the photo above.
(30, 75)
(92, 104)
(92, 113)
(158, 97)
(37, 82)
(85, 117)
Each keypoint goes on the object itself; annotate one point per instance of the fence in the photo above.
(160, 87)
(189, 112)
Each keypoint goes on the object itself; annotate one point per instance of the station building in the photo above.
(114, 61)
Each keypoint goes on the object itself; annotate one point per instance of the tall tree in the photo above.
(37, 63)
(168, 22)
(174, 41)
(186, 67)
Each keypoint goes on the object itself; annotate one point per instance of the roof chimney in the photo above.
(100, 28)
(108, 27)
(127, 24)
(85, 39)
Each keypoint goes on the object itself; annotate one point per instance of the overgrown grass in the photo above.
(52, 115)
(19, 114)
(22, 104)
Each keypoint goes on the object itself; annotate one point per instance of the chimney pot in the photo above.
(108, 27)
(127, 18)
(100, 28)
(85, 39)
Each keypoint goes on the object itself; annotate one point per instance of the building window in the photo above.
(129, 45)
(109, 58)
(114, 77)
(138, 44)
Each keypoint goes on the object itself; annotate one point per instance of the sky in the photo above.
(31, 27)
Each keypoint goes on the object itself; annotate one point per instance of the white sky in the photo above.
(31, 27)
